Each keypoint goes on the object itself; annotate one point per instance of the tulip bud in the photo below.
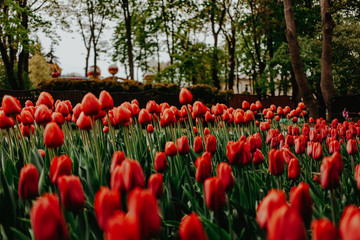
(258, 157)
(143, 207)
(191, 228)
(160, 162)
(198, 144)
(210, 142)
(224, 172)
(330, 170)
(60, 166)
(170, 149)
(351, 147)
(106, 101)
(144, 117)
(285, 223)
(183, 145)
(301, 201)
(294, 169)
(127, 176)
(276, 162)
(53, 135)
(122, 226)
(28, 182)
(117, 158)
(349, 223)
(214, 193)
(11, 106)
(106, 203)
(323, 229)
(273, 201)
(91, 105)
(155, 185)
(42, 115)
(185, 96)
(150, 128)
(203, 168)
(300, 144)
(238, 152)
(72, 193)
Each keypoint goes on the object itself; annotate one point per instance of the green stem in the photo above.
(96, 148)
(332, 195)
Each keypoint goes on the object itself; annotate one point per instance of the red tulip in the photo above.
(210, 142)
(106, 203)
(273, 201)
(199, 109)
(91, 105)
(185, 97)
(72, 193)
(42, 153)
(264, 126)
(62, 108)
(287, 154)
(170, 149)
(11, 106)
(238, 152)
(285, 223)
(330, 170)
(191, 228)
(258, 157)
(53, 135)
(258, 105)
(160, 162)
(26, 117)
(121, 226)
(42, 114)
(106, 101)
(214, 193)
(117, 158)
(351, 147)
(294, 169)
(317, 152)
(198, 144)
(289, 140)
(203, 168)
(167, 118)
(155, 185)
(57, 118)
(217, 110)
(245, 105)
(249, 116)
(47, 220)
(28, 182)
(46, 99)
(29, 103)
(323, 229)
(84, 122)
(183, 145)
(334, 146)
(5, 121)
(122, 115)
(143, 207)
(295, 130)
(301, 201)
(239, 118)
(276, 162)
(349, 223)
(150, 128)
(357, 175)
(300, 145)
(127, 176)
(224, 172)
(151, 106)
(144, 117)
(25, 130)
(60, 166)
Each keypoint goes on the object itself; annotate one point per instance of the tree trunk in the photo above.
(129, 39)
(296, 61)
(88, 49)
(231, 50)
(326, 83)
(295, 89)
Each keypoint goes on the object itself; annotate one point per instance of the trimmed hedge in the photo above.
(201, 92)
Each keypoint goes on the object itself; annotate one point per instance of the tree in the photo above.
(297, 64)
(328, 24)
(39, 69)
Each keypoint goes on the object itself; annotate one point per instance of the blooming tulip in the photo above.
(185, 96)
(106, 203)
(53, 135)
(160, 162)
(351, 147)
(71, 192)
(349, 223)
(106, 101)
(191, 228)
(155, 184)
(47, 220)
(276, 162)
(183, 145)
(301, 201)
(91, 105)
(170, 149)
(323, 229)
(214, 193)
(60, 166)
(294, 169)
(224, 172)
(28, 182)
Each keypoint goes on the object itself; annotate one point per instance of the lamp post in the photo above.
(113, 69)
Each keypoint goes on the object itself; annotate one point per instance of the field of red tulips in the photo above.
(99, 171)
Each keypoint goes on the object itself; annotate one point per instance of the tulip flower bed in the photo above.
(96, 171)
